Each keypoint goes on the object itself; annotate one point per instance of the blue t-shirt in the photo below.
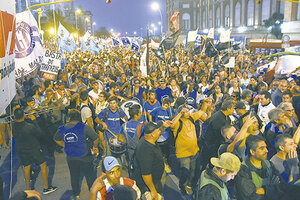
(139, 95)
(192, 97)
(131, 127)
(158, 114)
(148, 108)
(163, 93)
(112, 121)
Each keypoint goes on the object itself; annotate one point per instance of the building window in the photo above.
(237, 16)
(210, 18)
(204, 19)
(186, 5)
(186, 21)
(298, 12)
(266, 10)
(227, 16)
(281, 9)
(218, 19)
(250, 14)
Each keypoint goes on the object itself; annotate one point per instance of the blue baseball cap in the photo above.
(110, 162)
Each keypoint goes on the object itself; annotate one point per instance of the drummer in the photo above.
(164, 113)
(110, 119)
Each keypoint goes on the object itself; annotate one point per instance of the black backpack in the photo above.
(180, 127)
(90, 105)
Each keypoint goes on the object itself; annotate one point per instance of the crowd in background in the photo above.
(201, 111)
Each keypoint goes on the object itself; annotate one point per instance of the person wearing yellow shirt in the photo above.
(187, 150)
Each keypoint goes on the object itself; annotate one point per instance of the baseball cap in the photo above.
(152, 126)
(227, 161)
(109, 162)
(240, 105)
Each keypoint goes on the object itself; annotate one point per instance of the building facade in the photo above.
(244, 17)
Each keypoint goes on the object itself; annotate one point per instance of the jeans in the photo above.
(77, 167)
(188, 167)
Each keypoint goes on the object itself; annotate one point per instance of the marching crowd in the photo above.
(233, 133)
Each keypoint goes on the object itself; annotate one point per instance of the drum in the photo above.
(116, 147)
(126, 105)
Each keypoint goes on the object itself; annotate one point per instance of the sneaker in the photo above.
(49, 190)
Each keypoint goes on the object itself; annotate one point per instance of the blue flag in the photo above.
(68, 45)
(62, 32)
(135, 47)
(125, 41)
(94, 47)
(115, 42)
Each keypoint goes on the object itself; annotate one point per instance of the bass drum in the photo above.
(127, 104)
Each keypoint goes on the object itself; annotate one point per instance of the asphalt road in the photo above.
(14, 179)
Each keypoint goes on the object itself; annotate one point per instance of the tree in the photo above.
(48, 22)
(275, 22)
(102, 33)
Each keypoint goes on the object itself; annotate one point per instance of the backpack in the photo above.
(90, 105)
(180, 127)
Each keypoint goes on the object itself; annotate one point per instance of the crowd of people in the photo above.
(233, 133)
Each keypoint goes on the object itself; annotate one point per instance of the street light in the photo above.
(77, 12)
(134, 32)
(155, 6)
(86, 21)
(52, 31)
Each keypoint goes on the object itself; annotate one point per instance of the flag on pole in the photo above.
(125, 41)
(115, 42)
(68, 45)
(143, 63)
(224, 40)
(62, 32)
(135, 47)
(29, 50)
(174, 20)
(170, 41)
(225, 36)
(159, 53)
(94, 47)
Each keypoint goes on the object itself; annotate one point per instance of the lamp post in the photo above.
(77, 12)
(86, 21)
(155, 6)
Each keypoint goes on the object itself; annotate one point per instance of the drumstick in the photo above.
(112, 133)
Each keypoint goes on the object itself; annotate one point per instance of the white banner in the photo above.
(143, 64)
(231, 63)
(28, 48)
(7, 56)
(51, 63)
(225, 36)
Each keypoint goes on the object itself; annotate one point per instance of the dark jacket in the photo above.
(246, 189)
(210, 192)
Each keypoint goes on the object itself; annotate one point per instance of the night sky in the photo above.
(124, 15)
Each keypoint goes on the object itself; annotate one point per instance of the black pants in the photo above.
(165, 148)
(77, 167)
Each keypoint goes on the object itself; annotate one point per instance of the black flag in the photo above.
(225, 59)
(223, 46)
(170, 41)
(159, 53)
(210, 50)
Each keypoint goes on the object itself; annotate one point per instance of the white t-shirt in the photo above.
(94, 95)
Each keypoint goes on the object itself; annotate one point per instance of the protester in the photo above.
(105, 187)
(212, 182)
(79, 140)
(149, 160)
